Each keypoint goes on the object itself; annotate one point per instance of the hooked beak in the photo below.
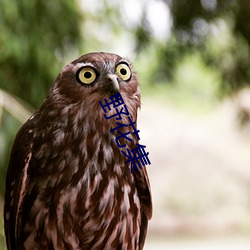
(113, 81)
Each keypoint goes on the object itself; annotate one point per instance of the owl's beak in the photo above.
(113, 80)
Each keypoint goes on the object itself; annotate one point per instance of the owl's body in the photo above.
(68, 185)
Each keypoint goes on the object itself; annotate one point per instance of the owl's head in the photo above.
(96, 76)
(89, 79)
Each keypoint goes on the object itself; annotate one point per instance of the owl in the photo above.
(68, 185)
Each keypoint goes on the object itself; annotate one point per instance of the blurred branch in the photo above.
(14, 107)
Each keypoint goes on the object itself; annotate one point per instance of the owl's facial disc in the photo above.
(113, 80)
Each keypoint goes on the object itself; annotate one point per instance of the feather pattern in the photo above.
(68, 185)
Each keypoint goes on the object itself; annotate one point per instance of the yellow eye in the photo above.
(86, 75)
(123, 71)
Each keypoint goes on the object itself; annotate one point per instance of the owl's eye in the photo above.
(123, 71)
(86, 75)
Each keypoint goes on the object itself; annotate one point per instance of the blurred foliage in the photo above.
(194, 85)
(13, 113)
(34, 36)
(218, 29)
(8, 130)
(2, 236)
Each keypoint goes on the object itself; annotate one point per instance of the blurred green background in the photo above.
(192, 60)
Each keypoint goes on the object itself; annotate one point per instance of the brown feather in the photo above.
(68, 185)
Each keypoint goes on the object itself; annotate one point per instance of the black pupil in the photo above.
(123, 71)
(87, 74)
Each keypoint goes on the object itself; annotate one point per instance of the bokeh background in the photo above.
(193, 63)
